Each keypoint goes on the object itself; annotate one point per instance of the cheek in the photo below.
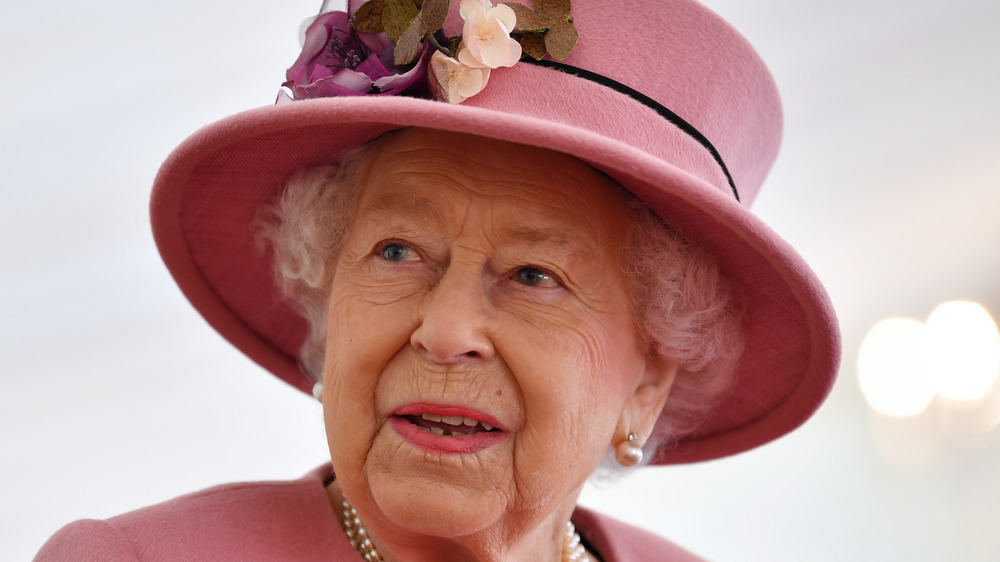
(362, 337)
(365, 318)
(573, 395)
(579, 345)
(361, 340)
(572, 376)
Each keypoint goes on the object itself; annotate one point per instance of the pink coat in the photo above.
(281, 521)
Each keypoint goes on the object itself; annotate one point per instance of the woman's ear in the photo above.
(647, 400)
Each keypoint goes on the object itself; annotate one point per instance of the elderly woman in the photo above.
(503, 245)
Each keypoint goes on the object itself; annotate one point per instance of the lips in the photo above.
(437, 428)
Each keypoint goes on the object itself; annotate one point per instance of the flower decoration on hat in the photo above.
(389, 47)
(337, 61)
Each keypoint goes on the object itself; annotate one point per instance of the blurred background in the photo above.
(115, 394)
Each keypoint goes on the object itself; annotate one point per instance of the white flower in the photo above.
(457, 81)
(486, 35)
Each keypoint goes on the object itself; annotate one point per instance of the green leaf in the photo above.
(396, 17)
(409, 43)
(368, 17)
(560, 40)
(527, 19)
(533, 45)
(433, 13)
(555, 9)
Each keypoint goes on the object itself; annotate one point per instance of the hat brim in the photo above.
(208, 193)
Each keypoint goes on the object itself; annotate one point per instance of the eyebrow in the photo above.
(572, 245)
(407, 205)
(426, 209)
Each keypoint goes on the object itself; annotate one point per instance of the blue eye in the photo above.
(534, 277)
(395, 252)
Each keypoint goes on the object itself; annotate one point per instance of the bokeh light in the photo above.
(960, 350)
(889, 368)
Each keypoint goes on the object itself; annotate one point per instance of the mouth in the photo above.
(444, 429)
(448, 426)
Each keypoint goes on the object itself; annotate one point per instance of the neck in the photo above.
(523, 541)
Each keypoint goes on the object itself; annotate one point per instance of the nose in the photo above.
(454, 323)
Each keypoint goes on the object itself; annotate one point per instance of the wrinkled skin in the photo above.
(482, 275)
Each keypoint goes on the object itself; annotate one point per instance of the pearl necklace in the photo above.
(572, 548)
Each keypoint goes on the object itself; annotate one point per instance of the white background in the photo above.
(115, 394)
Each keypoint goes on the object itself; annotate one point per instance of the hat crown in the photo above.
(690, 61)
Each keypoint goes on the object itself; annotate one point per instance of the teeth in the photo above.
(437, 431)
(453, 420)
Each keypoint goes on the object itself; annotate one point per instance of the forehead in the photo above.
(429, 174)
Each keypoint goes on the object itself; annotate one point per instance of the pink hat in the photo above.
(662, 95)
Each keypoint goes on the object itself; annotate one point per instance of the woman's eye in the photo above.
(395, 251)
(534, 277)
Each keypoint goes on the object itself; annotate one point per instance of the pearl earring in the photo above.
(318, 391)
(628, 452)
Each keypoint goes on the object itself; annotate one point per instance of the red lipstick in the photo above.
(446, 429)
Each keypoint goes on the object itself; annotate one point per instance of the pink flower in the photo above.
(335, 61)
(456, 81)
(486, 38)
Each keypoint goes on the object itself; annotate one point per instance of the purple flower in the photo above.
(336, 61)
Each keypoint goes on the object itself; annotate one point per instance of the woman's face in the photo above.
(481, 354)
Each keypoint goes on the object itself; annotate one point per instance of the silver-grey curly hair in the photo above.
(682, 304)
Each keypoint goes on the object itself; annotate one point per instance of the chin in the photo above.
(431, 507)
(437, 493)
